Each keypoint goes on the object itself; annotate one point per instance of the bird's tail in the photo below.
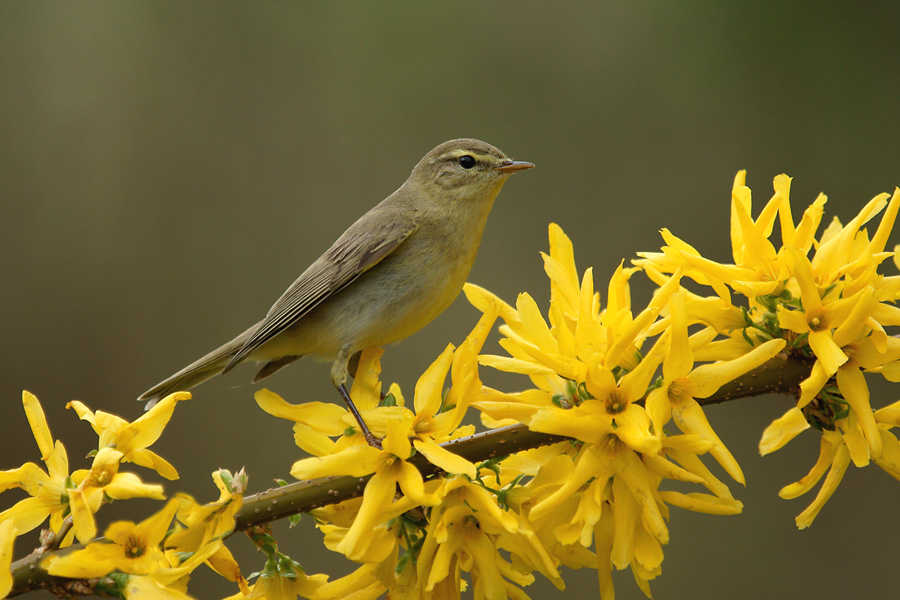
(195, 373)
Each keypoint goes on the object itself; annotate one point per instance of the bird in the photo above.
(388, 275)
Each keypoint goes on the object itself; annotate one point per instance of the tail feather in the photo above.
(195, 373)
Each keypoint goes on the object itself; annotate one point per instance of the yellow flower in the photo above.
(315, 423)
(170, 580)
(197, 525)
(104, 481)
(390, 469)
(461, 537)
(683, 382)
(608, 496)
(49, 490)
(837, 450)
(132, 439)
(611, 409)
(128, 548)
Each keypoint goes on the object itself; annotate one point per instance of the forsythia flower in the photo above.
(48, 490)
(103, 480)
(132, 439)
(197, 526)
(128, 548)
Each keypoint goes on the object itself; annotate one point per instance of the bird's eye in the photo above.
(466, 161)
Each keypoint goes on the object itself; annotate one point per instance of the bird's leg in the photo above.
(371, 438)
(339, 373)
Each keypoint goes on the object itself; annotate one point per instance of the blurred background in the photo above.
(167, 169)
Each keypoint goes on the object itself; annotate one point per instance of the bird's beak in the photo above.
(511, 166)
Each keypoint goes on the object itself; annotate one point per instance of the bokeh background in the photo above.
(168, 168)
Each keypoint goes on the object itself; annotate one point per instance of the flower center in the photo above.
(677, 390)
(817, 321)
(615, 402)
(134, 547)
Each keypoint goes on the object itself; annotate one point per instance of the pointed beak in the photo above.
(511, 166)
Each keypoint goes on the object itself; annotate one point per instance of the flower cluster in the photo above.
(151, 559)
(833, 307)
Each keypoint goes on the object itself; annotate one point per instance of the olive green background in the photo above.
(168, 168)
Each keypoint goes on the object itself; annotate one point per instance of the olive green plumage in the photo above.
(394, 270)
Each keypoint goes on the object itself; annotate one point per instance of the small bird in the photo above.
(393, 271)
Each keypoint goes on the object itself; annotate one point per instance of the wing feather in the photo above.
(353, 254)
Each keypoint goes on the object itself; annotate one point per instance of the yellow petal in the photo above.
(625, 516)
(603, 544)
(411, 484)
(147, 588)
(537, 330)
(803, 272)
(706, 379)
(8, 535)
(852, 328)
(29, 477)
(853, 387)
(828, 447)
(366, 389)
(835, 474)
(147, 429)
(430, 386)
(679, 359)
(129, 485)
(803, 237)
(312, 441)
(889, 460)
(659, 408)
(855, 441)
(324, 417)
(829, 354)
(38, 422)
(634, 384)
(95, 560)
(356, 461)
(889, 414)
(813, 384)
(481, 299)
(82, 520)
(514, 365)
(704, 503)
(691, 419)
(26, 514)
(793, 320)
(659, 465)
(151, 460)
(377, 496)
(782, 430)
(639, 482)
(444, 459)
(485, 558)
(833, 251)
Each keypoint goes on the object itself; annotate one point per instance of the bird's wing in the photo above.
(354, 253)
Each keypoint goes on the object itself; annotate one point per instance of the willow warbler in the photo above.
(393, 271)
